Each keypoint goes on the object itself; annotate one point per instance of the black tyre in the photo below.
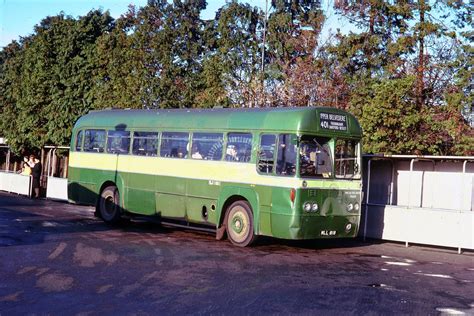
(109, 205)
(239, 224)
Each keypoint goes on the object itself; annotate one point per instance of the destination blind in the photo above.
(333, 122)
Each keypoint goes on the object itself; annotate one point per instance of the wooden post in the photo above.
(54, 164)
(7, 165)
(42, 167)
(66, 165)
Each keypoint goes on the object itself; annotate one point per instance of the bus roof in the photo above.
(310, 120)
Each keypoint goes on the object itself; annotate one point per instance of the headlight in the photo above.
(314, 207)
(307, 207)
(350, 207)
(348, 227)
(356, 207)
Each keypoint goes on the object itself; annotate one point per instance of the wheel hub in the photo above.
(237, 224)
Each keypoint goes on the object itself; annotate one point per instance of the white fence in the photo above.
(15, 183)
(431, 205)
(57, 188)
(438, 227)
(20, 184)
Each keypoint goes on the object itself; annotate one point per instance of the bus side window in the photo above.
(239, 147)
(174, 144)
(118, 142)
(145, 143)
(79, 141)
(265, 155)
(286, 158)
(207, 146)
(94, 140)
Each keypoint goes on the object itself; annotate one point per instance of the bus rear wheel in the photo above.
(109, 205)
(239, 224)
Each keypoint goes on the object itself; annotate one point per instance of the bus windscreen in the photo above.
(315, 157)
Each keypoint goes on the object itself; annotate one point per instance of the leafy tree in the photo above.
(47, 80)
(231, 65)
(11, 61)
(286, 24)
(168, 41)
(186, 29)
(121, 80)
(293, 28)
(382, 108)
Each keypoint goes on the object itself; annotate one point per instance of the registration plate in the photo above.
(328, 233)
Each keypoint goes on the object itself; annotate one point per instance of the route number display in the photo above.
(333, 122)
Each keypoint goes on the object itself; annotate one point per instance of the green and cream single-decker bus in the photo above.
(292, 173)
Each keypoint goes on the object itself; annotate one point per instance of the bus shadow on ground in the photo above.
(32, 228)
(22, 227)
(310, 244)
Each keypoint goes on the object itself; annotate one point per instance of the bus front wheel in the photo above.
(239, 224)
(109, 204)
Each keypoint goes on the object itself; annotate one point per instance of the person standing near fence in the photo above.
(36, 175)
(26, 169)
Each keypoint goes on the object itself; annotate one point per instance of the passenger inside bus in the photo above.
(195, 152)
(231, 153)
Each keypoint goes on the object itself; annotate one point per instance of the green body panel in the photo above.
(331, 217)
(170, 197)
(194, 210)
(281, 203)
(274, 212)
(84, 186)
(201, 193)
(171, 205)
(265, 198)
(139, 194)
(301, 226)
(244, 190)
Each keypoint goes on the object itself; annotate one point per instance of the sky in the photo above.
(18, 17)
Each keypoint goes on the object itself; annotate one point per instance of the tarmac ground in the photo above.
(57, 258)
